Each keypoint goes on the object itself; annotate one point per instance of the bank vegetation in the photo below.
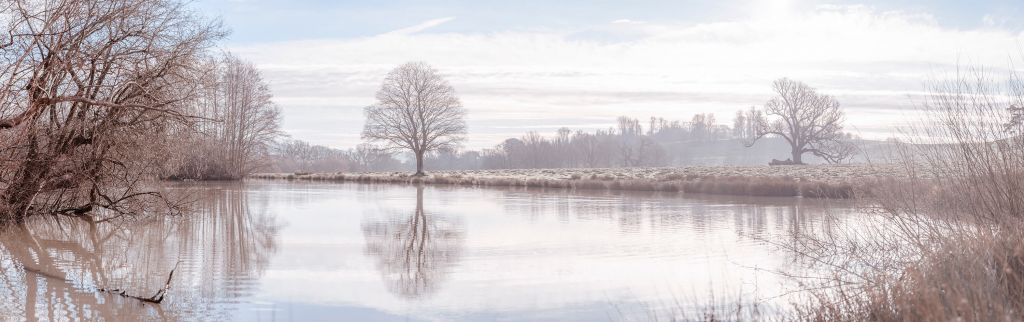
(952, 247)
(100, 99)
(821, 181)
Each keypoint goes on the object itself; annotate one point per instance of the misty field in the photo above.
(815, 181)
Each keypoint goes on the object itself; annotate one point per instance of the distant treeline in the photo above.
(630, 143)
(627, 144)
(300, 156)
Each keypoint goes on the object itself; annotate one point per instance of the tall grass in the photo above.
(953, 244)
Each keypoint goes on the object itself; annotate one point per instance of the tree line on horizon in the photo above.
(418, 113)
(630, 143)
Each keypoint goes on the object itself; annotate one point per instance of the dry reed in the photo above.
(952, 247)
(725, 185)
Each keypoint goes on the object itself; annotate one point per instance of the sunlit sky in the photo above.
(538, 65)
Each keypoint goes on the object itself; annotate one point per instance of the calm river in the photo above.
(300, 251)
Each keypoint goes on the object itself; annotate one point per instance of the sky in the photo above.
(532, 65)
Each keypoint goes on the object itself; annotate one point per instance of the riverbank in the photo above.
(810, 181)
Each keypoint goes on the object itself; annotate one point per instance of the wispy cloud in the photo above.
(627, 21)
(419, 27)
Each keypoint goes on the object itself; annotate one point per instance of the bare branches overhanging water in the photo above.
(88, 92)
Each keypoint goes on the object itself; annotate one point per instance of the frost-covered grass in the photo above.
(826, 181)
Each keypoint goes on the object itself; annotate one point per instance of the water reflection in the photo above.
(51, 269)
(396, 252)
(414, 252)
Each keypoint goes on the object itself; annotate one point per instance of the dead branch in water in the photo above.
(156, 298)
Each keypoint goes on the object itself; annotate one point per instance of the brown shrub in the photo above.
(951, 245)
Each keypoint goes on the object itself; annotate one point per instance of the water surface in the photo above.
(300, 251)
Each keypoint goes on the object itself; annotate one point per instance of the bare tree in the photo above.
(587, 147)
(754, 119)
(535, 147)
(240, 122)
(250, 119)
(739, 125)
(416, 110)
(1016, 122)
(368, 157)
(292, 155)
(89, 91)
(629, 126)
(808, 121)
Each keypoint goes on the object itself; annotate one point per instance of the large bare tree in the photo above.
(416, 110)
(810, 122)
(89, 91)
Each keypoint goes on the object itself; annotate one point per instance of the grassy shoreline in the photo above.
(819, 181)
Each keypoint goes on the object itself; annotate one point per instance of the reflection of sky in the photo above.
(525, 255)
(538, 65)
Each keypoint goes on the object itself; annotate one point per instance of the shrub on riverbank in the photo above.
(951, 245)
(944, 243)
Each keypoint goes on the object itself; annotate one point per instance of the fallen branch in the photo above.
(156, 298)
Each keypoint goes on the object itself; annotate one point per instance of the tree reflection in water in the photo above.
(51, 268)
(414, 252)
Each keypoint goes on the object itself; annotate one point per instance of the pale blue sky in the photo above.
(275, 20)
(538, 65)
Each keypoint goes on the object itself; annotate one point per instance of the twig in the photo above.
(156, 298)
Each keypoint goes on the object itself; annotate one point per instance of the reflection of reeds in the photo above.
(724, 185)
(708, 308)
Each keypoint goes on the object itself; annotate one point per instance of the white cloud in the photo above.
(871, 59)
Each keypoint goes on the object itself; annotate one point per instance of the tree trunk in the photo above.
(419, 164)
(796, 156)
(18, 196)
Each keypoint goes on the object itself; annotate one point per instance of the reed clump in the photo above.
(744, 186)
(828, 190)
(950, 242)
